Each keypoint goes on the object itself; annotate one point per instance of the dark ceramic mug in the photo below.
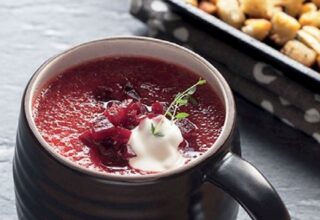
(49, 186)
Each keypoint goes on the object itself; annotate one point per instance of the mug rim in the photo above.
(208, 154)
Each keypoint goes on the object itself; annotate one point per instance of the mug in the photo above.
(48, 186)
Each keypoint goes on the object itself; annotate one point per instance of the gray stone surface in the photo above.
(34, 30)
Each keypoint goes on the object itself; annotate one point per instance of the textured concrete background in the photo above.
(34, 30)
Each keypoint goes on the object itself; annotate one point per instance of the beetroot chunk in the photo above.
(111, 144)
(87, 139)
(127, 114)
(117, 134)
(135, 112)
(186, 127)
(111, 132)
(157, 108)
(116, 114)
(114, 156)
(188, 130)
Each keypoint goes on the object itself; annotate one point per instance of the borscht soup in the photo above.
(129, 115)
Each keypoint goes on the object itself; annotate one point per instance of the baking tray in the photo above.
(303, 75)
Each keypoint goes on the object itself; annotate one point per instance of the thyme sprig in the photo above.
(182, 99)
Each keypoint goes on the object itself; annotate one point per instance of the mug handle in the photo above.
(248, 186)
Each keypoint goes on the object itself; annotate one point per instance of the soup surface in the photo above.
(76, 104)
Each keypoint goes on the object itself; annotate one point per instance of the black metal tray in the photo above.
(305, 76)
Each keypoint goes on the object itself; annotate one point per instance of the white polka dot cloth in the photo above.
(258, 82)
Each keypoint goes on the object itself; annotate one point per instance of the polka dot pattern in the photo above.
(181, 34)
(316, 136)
(159, 6)
(267, 105)
(312, 116)
(260, 76)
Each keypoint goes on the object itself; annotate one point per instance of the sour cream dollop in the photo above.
(156, 153)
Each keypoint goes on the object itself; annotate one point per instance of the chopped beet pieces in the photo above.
(187, 128)
(127, 114)
(101, 123)
(116, 134)
(111, 131)
(106, 94)
(135, 111)
(157, 108)
(189, 132)
(111, 144)
(87, 139)
(116, 114)
(110, 134)
(114, 157)
(151, 115)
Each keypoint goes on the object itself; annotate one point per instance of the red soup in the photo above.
(87, 112)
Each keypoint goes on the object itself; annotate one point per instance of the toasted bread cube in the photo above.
(192, 2)
(310, 18)
(275, 10)
(208, 7)
(317, 2)
(313, 31)
(308, 7)
(309, 40)
(256, 8)
(299, 52)
(293, 7)
(257, 28)
(229, 11)
(284, 28)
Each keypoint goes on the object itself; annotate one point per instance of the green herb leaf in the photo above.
(153, 129)
(192, 90)
(182, 102)
(181, 99)
(182, 115)
(155, 132)
(201, 82)
(159, 134)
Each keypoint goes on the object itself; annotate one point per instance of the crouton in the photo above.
(257, 8)
(257, 28)
(299, 52)
(284, 28)
(192, 2)
(315, 32)
(230, 12)
(293, 7)
(208, 7)
(308, 7)
(310, 18)
(309, 40)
